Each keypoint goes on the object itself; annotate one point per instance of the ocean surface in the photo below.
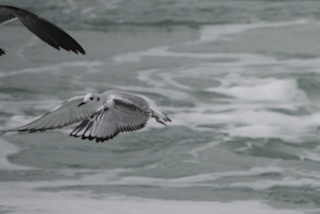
(240, 80)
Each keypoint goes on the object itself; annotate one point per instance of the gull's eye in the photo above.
(98, 98)
(91, 98)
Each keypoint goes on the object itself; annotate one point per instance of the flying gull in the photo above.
(102, 116)
(42, 28)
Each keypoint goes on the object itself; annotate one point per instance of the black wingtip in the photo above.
(97, 139)
(45, 30)
(2, 52)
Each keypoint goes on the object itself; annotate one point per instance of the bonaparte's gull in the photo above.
(103, 115)
(42, 28)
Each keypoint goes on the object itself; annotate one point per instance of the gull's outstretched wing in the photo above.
(42, 28)
(121, 115)
(65, 114)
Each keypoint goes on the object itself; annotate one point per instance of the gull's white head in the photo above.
(91, 97)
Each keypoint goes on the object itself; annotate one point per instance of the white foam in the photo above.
(263, 131)
(258, 123)
(72, 6)
(164, 51)
(29, 44)
(174, 94)
(151, 77)
(246, 113)
(195, 180)
(196, 151)
(207, 33)
(112, 178)
(57, 68)
(217, 32)
(136, 56)
(21, 197)
(308, 155)
(257, 89)
(288, 181)
(7, 149)
(53, 203)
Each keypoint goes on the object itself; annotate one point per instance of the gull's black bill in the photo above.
(81, 104)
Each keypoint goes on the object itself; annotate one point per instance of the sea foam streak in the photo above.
(7, 149)
(23, 201)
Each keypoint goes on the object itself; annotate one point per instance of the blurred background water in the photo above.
(240, 79)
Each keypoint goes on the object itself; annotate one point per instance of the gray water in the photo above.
(239, 79)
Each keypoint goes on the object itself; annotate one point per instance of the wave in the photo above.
(7, 149)
(76, 202)
(104, 15)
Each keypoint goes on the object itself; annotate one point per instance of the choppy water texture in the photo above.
(240, 80)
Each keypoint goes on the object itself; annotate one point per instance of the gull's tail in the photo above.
(156, 112)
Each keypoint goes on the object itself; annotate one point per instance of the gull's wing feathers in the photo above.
(156, 112)
(6, 15)
(120, 115)
(65, 114)
(42, 28)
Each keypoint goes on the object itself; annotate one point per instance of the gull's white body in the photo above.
(103, 115)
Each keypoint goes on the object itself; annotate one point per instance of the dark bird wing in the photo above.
(2, 52)
(42, 28)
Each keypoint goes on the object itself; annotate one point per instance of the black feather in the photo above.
(45, 30)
